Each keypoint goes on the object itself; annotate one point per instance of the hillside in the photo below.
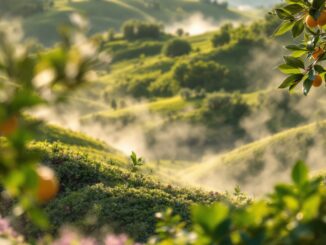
(266, 161)
(106, 14)
(98, 189)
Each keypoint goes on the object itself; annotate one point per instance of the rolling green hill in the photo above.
(99, 190)
(105, 14)
(265, 161)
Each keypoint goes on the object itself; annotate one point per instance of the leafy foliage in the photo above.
(28, 79)
(302, 18)
(136, 162)
(176, 47)
(134, 29)
(210, 76)
(292, 214)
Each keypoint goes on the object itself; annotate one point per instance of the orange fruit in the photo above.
(311, 22)
(317, 53)
(322, 19)
(318, 81)
(48, 184)
(9, 126)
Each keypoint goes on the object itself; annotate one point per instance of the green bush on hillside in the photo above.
(135, 29)
(164, 86)
(210, 75)
(227, 109)
(176, 47)
(222, 37)
(24, 8)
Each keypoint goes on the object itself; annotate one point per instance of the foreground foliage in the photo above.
(292, 214)
(306, 19)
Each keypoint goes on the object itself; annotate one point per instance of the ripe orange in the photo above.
(318, 81)
(318, 52)
(322, 19)
(48, 184)
(311, 22)
(9, 126)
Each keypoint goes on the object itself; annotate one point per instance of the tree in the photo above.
(304, 64)
(135, 29)
(176, 47)
(111, 35)
(180, 32)
(223, 36)
(210, 75)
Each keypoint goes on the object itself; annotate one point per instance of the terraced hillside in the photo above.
(105, 14)
(266, 161)
(98, 189)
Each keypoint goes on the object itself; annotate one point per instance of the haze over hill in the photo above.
(254, 3)
(104, 15)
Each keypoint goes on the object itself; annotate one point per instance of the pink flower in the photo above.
(4, 226)
(116, 240)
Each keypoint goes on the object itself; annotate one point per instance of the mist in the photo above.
(197, 24)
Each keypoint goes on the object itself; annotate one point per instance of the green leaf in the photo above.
(297, 29)
(296, 47)
(300, 173)
(319, 69)
(208, 218)
(294, 62)
(283, 14)
(294, 8)
(293, 79)
(287, 69)
(310, 207)
(283, 28)
(299, 53)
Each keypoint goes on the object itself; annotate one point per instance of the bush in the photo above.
(134, 29)
(23, 8)
(165, 86)
(209, 75)
(176, 47)
(228, 109)
(223, 37)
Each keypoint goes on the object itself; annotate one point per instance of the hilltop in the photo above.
(106, 14)
(266, 161)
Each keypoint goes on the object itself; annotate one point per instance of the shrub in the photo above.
(210, 75)
(226, 108)
(186, 93)
(223, 37)
(176, 47)
(135, 29)
(165, 86)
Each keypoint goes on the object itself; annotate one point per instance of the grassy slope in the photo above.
(176, 107)
(98, 189)
(249, 160)
(107, 14)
